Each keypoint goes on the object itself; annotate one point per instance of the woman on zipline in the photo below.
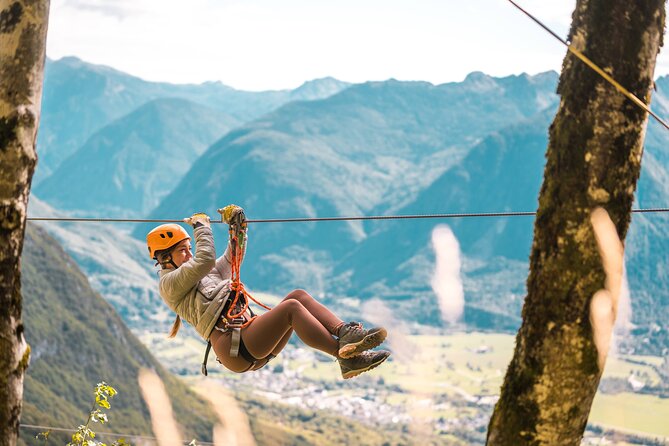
(202, 290)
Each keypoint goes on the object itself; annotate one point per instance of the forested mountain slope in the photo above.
(78, 340)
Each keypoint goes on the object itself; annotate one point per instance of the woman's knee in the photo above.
(291, 307)
(298, 295)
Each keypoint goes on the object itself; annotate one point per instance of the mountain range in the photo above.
(80, 98)
(377, 148)
(371, 148)
(146, 152)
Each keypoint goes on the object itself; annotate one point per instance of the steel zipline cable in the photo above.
(594, 67)
(316, 219)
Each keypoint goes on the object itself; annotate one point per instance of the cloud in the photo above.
(553, 13)
(446, 281)
(118, 9)
(264, 44)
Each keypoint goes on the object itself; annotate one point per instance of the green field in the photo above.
(633, 413)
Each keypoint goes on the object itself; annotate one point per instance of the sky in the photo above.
(269, 44)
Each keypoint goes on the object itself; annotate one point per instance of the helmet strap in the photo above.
(168, 261)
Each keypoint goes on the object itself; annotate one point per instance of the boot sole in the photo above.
(367, 343)
(353, 373)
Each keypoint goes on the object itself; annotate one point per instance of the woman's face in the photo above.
(181, 253)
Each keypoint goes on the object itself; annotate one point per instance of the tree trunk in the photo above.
(593, 159)
(23, 27)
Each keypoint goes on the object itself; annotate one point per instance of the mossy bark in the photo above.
(23, 25)
(593, 159)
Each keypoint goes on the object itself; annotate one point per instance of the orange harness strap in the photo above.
(237, 286)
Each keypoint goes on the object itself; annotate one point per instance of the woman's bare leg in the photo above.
(280, 346)
(268, 330)
(282, 343)
(331, 322)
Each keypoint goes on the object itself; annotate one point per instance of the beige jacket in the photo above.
(199, 288)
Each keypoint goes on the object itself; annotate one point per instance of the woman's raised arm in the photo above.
(175, 284)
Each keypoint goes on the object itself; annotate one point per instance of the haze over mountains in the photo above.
(117, 161)
(80, 98)
(369, 149)
(375, 148)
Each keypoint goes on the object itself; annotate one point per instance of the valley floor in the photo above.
(435, 389)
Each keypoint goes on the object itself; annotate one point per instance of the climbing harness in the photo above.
(234, 310)
(237, 347)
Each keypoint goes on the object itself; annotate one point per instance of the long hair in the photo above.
(175, 327)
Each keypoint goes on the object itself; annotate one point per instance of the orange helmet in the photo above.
(164, 237)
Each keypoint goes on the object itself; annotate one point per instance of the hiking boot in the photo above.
(353, 339)
(365, 361)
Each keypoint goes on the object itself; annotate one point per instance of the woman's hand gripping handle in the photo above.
(198, 219)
